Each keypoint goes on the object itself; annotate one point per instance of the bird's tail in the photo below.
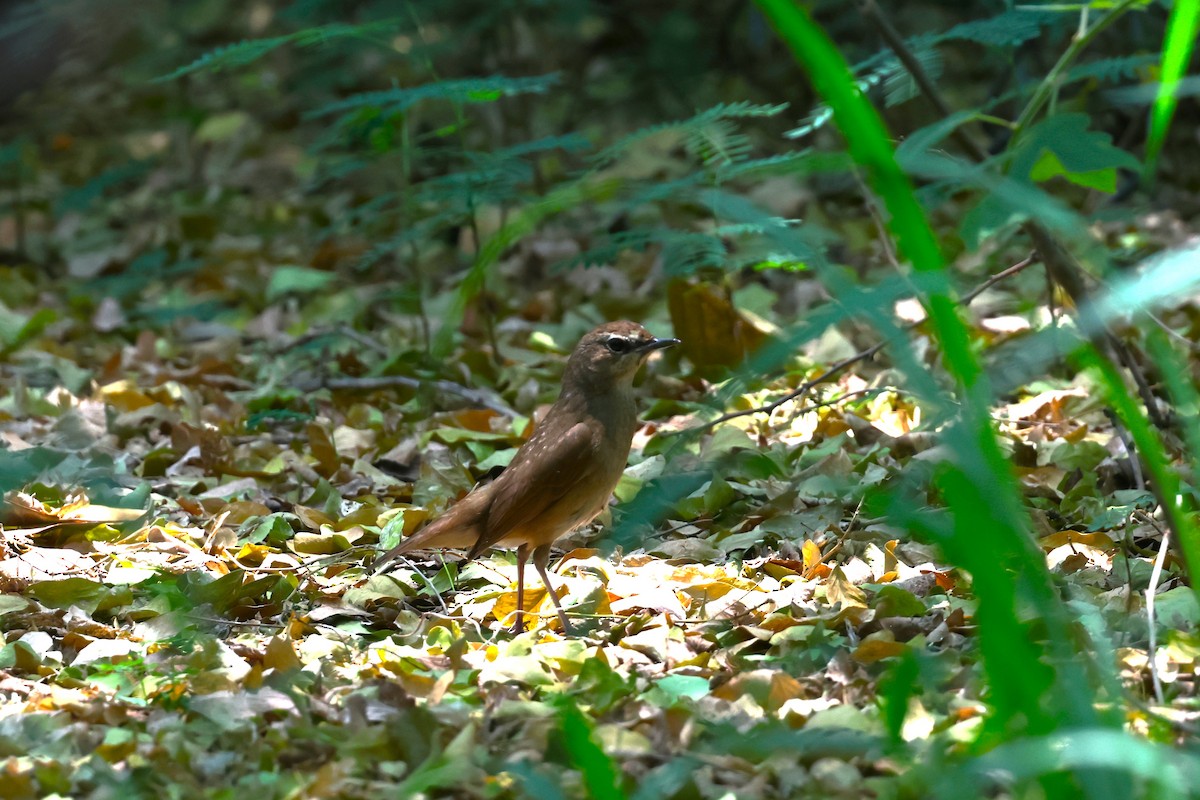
(444, 532)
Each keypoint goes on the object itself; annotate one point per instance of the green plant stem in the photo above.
(1049, 84)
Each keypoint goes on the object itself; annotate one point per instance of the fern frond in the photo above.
(484, 184)
(1112, 70)
(718, 144)
(608, 250)
(362, 215)
(81, 197)
(238, 54)
(803, 162)
(721, 111)
(571, 142)
(821, 114)
(815, 120)
(899, 87)
(686, 253)
(459, 90)
(248, 51)
(1008, 29)
(737, 230)
(660, 191)
(420, 231)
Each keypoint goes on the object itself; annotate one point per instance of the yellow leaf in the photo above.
(1097, 539)
(873, 650)
(313, 518)
(839, 589)
(812, 554)
(713, 330)
(281, 656)
(124, 396)
(241, 510)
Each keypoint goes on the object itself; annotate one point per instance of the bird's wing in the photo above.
(546, 472)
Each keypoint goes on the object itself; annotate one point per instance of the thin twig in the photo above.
(1135, 463)
(1061, 266)
(849, 361)
(363, 339)
(241, 623)
(388, 381)
(475, 396)
(344, 331)
(1151, 591)
(992, 280)
(928, 88)
(1173, 334)
(400, 559)
(885, 239)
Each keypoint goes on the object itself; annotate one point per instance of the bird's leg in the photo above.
(541, 556)
(522, 557)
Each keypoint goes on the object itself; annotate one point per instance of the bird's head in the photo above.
(609, 356)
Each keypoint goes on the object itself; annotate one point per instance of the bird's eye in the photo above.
(618, 345)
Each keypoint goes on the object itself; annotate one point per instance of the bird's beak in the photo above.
(657, 344)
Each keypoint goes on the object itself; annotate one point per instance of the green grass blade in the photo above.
(1152, 453)
(1182, 29)
(598, 769)
(989, 535)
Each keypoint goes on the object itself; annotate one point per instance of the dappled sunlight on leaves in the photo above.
(258, 325)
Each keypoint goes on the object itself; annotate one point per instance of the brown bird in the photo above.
(564, 474)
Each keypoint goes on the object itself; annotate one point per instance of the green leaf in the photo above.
(1176, 609)
(1168, 772)
(299, 280)
(994, 547)
(16, 328)
(678, 687)
(69, 592)
(895, 690)
(892, 601)
(456, 90)
(220, 127)
(11, 602)
(273, 529)
(597, 767)
(1049, 166)
(392, 531)
(1063, 145)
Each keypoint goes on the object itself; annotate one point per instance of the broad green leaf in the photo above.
(392, 532)
(1064, 145)
(220, 127)
(1049, 166)
(892, 601)
(1176, 609)
(677, 687)
(11, 602)
(597, 767)
(16, 328)
(69, 592)
(297, 280)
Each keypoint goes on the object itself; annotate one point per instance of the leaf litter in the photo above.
(192, 501)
